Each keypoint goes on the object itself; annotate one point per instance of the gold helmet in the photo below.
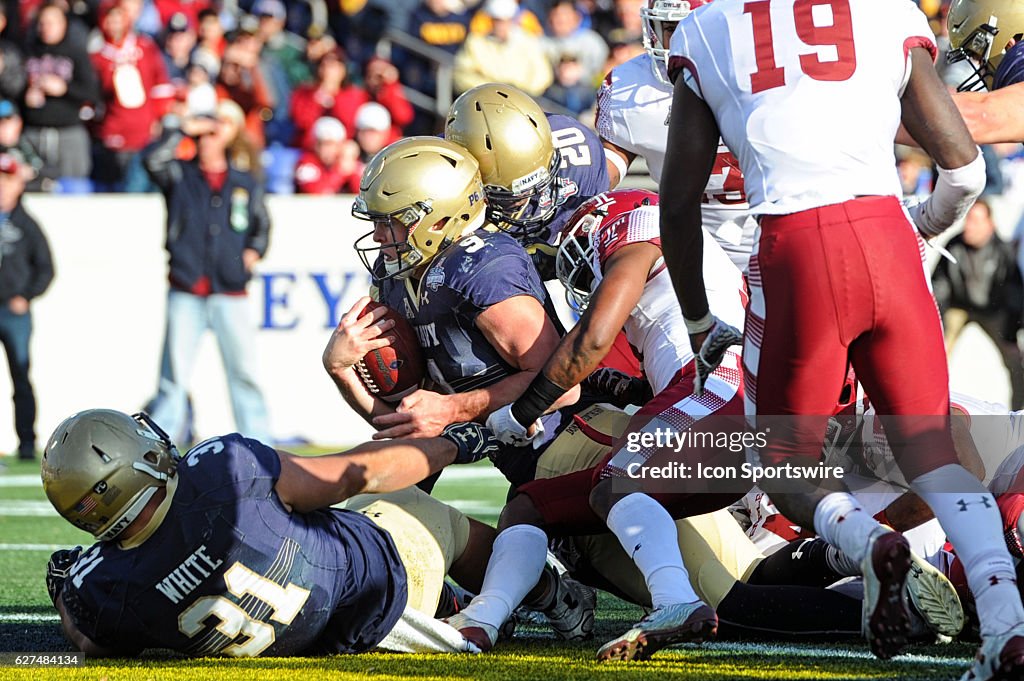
(431, 188)
(510, 136)
(100, 468)
(979, 31)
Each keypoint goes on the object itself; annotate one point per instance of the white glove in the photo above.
(510, 431)
(712, 351)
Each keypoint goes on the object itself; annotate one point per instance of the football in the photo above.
(394, 371)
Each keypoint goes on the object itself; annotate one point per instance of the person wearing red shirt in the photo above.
(135, 93)
(380, 77)
(332, 166)
(331, 94)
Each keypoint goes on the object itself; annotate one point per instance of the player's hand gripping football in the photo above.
(356, 335)
(508, 430)
(58, 569)
(424, 413)
(709, 348)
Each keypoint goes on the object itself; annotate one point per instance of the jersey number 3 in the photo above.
(838, 35)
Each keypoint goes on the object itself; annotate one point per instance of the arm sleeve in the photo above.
(159, 161)
(502, 278)
(259, 234)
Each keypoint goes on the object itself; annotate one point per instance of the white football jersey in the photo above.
(807, 95)
(655, 327)
(632, 113)
(998, 435)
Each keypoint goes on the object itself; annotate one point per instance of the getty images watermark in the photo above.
(668, 440)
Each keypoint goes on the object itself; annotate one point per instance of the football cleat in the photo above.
(934, 598)
(678, 623)
(571, 613)
(885, 621)
(484, 636)
(1000, 658)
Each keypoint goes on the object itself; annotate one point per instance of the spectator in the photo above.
(331, 94)
(26, 270)
(380, 78)
(241, 80)
(915, 170)
(179, 41)
(217, 230)
(12, 65)
(211, 33)
(191, 9)
(983, 286)
(373, 130)
(623, 46)
(438, 25)
(333, 165)
(201, 95)
(283, 63)
(627, 14)
(506, 54)
(318, 43)
(11, 138)
(135, 94)
(570, 89)
(61, 83)
(482, 22)
(567, 36)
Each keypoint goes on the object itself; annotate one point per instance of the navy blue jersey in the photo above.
(583, 172)
(1011, 68)
(230, 571)
(471, 275)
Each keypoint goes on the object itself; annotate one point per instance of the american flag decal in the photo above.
(85, 505)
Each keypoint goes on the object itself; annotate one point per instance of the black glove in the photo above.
(719, 339)
(58, 569)
(473, 441)
(543, 256)
(620, 388)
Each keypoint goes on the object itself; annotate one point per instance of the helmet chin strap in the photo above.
(130, 514)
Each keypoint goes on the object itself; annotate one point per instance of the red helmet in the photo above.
(576, 263)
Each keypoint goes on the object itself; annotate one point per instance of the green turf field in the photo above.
(29, 531)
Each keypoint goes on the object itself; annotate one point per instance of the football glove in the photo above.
(620, 388)
(58, 569)
(509, 431)
(712, 351)
(474, 442)
(543, 256)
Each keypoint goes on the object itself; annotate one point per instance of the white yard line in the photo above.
(28, 617)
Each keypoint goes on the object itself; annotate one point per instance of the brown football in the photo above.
(394, 371)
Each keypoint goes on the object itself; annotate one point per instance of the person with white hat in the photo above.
(332, 166)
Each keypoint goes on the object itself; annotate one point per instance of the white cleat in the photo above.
(482, 635)
(934, 598)
(1000, 658)
(678, 623)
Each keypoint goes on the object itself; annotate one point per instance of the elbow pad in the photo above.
(955, 192)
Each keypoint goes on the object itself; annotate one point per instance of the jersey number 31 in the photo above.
(838, 35)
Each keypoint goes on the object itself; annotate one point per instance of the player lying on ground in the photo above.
(232, 548)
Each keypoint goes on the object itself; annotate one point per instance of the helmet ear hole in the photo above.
(151, 457)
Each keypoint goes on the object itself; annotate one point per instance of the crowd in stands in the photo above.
(85, 85)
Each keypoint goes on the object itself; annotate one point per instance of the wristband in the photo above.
(695, 326)
(532, 404)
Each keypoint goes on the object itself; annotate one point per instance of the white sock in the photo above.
(648, 533)
(971, 520)
(514, 567)
(840, 520)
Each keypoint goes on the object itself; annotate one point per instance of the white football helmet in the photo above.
(660, 18)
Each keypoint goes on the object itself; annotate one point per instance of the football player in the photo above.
(232, 548)
(536, 167)
(610, 245)
(476, 302)
(633, 107)
(836, 277)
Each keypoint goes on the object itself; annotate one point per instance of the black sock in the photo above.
(800, 611)
(804, 562)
